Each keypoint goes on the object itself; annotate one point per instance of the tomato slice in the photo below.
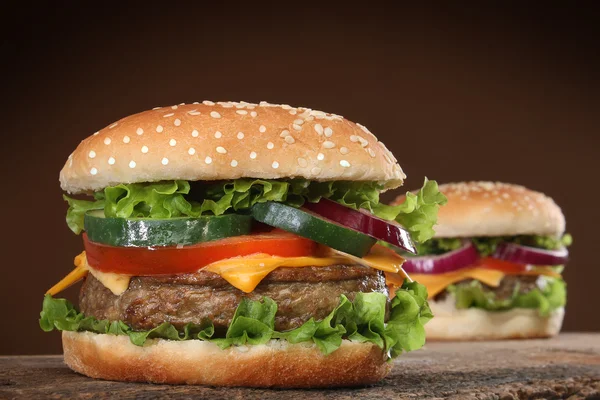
(501, 265)
(140, 261)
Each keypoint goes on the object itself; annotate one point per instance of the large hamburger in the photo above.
(235, 244)
(493, 270)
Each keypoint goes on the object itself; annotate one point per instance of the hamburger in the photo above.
(236, 244)
(493, 270)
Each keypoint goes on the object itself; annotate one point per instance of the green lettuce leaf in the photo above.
(550, 295)
(77, 210)
(171, 199)
(361, 320)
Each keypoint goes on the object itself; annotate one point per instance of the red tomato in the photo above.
(140, 261)
(501, 265)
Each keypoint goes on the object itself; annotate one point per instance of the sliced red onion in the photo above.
(463, 257)
(365, 222)
(530, 255)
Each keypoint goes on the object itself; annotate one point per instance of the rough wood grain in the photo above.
(563, 367)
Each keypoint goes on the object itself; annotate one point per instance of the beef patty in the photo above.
(505, 290)
(300, 293)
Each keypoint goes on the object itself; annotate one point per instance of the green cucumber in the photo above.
(313, 227)
(147, 232)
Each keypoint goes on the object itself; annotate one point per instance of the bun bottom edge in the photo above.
(277, 364)
(477, 324)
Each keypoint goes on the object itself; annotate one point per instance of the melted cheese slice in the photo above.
(436, 283)
(245, 273)
(116, 283)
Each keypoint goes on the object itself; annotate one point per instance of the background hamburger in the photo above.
(493, 270)
(223, 246)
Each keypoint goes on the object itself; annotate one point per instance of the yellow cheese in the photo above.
(435, 283)
(116, 283)
(245, 273)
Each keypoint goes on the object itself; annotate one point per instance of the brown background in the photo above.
(505, 94)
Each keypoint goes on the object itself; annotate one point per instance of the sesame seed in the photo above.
(132, 164)
(270, 145)
(139, 131)
(505, 195)
(253, 155)
(315, 170)
(194, 133)
(208, 160)
(240, 135)
(174, 107)
(111, 161)
(344, 163)
(191, 151)
(354, 138)
(328, 145)
(164, 161)
(371, 152)
(92, 154)
(320, 156)
(302, 162)
(107, 141)
(157, 108)
(275, 165)
(177, 122)
(293, 112)
(299, 121)
(344, 150)
(208, 103)
(221, 150)
(297, 127)
(159, 128)
(284, 133)
(225, 104)
(363, 142)
(194, 112)
(234, 163)
(144, 149)
(253, 113)
(242, 112)
(262, 129)
(328, 132)
(93, 171)
(168, 115)
(172, 142)
(218, 135)
(289, 139)
(113, 125)
(215, 114)
(126, 139)
(319, 129)
(95, 133)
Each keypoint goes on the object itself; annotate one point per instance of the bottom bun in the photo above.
(275, 364)
(450, 323)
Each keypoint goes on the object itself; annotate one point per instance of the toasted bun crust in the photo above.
(275, 364)
(496, 209)
(225, 140)
(477, 324)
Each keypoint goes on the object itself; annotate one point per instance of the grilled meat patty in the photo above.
(300, 294)
(505, 290)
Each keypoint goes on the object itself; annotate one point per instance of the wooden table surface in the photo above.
(564, 367)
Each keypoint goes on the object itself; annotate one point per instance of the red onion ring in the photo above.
(365, 222)
(465, 256)
(530, 255)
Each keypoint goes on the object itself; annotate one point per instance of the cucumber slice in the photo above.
(146, 232)
(321, 230)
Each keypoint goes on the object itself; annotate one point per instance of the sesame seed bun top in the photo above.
(227, 140)
(496, 209)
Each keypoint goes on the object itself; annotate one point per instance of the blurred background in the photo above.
(506, 93)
